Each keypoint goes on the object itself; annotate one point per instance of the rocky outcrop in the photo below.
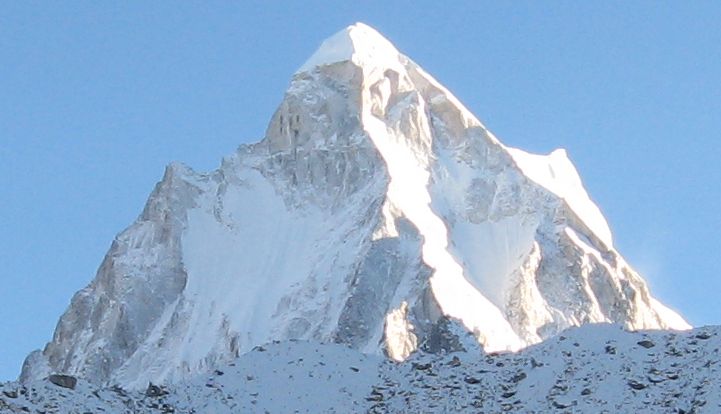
(65, 381)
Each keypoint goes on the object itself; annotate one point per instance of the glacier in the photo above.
(377, 212)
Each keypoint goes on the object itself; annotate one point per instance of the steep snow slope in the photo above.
(377, 212)
(592, 369)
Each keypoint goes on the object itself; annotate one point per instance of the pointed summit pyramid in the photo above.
(359, 43)
(377, 212)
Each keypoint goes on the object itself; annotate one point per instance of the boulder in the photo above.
(155, 390)
(646, 343)
(65, 381)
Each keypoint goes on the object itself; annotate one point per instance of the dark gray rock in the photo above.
(455, 362)
(10, 393)
(636, 385)
(703, 335)
(155, 390)
(65, 381)
(519, 377)
(646, 343)
(422, 367)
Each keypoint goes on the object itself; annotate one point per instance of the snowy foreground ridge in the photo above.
(592, 369)
(377, 212)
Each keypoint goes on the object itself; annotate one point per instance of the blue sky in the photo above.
(96, 98)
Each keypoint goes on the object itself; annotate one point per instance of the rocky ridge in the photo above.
(594, 368)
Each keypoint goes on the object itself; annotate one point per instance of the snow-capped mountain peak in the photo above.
(358, 43)
(377, 212)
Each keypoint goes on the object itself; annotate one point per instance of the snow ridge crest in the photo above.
(359, 43)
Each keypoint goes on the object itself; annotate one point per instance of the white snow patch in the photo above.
(556, 173)
(492, 251)
(358, 43)
(670, 317)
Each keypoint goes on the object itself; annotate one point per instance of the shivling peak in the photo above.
(377, 212)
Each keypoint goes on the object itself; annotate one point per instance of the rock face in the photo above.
(376, 212)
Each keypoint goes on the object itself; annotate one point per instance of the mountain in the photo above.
(591, 369)
(377, 212)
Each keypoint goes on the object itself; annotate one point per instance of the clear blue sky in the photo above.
(96, 98)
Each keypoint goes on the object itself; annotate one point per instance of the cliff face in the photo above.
(376, 212)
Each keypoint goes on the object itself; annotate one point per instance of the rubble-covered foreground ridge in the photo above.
(376, 212)
(591, 369)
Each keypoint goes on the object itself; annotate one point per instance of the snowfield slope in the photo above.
(591, 369)
(377, 212)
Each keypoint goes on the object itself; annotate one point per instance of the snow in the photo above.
(674, 320)
(358, 43)
(408, 190)
(556, 173)
(493, 249)
(594, 368)
(247, 279)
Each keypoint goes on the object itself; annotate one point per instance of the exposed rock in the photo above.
(636, 385)
(155, 390)
(65, 381)
(422, 367)
(646, 343)
(455, 361)
(561, 404)
(10, 393)
(519, 377)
